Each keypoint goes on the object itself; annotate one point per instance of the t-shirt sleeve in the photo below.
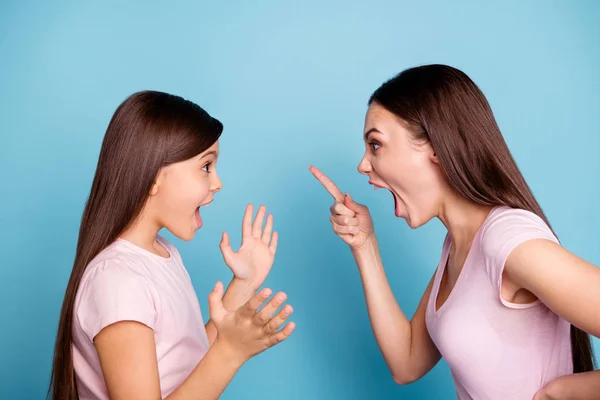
(503, 233)
(115, 291)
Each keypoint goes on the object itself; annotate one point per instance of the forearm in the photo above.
(581, 386)
(238, 293)
(391, 327)
(210, 377)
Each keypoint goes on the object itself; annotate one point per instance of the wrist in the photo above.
(369, 248)
(245, 285)
(226, 352)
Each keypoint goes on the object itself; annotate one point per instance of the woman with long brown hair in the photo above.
(130, 325)
(508, 307)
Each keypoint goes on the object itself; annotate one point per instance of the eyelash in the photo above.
(207, 165)
(373, 144)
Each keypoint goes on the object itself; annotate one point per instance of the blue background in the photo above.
(290, 83)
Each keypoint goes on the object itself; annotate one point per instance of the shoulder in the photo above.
(503, 231)
(507, 227)
(112, 289)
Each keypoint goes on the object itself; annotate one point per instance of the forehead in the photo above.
(380, 118)
(211, 151)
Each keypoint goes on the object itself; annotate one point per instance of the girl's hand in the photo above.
(254, 259)
(351, 221)
(246, 331)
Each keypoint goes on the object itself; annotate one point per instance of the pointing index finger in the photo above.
(328, 184)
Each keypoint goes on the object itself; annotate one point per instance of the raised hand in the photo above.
(246, 331)
(254, 259)
(351, 221)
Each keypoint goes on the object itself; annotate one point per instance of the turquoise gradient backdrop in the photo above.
(290, 83)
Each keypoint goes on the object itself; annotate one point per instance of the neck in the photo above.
(462, 218)
(143, 233)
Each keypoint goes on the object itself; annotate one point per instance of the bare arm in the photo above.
(127, 355)
(585, 385)
(569, 286)
(406, 345)
(127, 350)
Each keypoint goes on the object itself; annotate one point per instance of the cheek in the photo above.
(414, 176)
(186, 194)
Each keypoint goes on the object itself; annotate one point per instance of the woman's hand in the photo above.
(351, 221)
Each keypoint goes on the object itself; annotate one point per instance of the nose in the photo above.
(364, 166)
(216, 183)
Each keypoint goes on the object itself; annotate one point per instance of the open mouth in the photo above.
(197, 216)
(376, 187)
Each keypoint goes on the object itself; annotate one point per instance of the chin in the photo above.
(185, 236)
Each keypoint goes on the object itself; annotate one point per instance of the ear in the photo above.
(433, 157)
(156, 183)
(154, 189)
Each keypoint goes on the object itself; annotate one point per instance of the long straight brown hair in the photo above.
(442, 105)
(148, 131)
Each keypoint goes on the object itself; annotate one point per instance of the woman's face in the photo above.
(407, 167)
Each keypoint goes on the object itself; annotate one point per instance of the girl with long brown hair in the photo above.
(130, 325)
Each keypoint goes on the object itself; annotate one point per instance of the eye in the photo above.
(374, 145)
(207, 167)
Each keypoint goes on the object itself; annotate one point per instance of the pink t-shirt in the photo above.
(497, 350)
(126, 282)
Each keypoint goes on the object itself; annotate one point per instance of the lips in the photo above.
(376, 186)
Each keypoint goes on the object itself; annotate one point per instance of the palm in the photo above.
(253, 260)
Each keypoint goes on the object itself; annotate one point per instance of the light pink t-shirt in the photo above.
(126, 282)
(497, 350)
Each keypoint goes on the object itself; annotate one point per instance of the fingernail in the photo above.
(280, 297)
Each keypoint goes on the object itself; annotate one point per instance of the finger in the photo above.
(266, 313)
(273, 244)
(282, 334)
(258, 221)
(344, 229)
(340, 209)
(327, 183)
(344, 220)
(249, 309)
(225, 247)
(348, 239)
(354, 206)
(247, 221)
(272, 325)
(266, 236)
(215, 304)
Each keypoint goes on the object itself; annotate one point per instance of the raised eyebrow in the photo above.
(372, 130)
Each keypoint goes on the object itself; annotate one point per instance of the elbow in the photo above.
(403, 379)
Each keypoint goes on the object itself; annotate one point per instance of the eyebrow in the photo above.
(372, 130)
(209, 154)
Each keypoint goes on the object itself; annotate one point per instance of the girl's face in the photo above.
(408, 168)
(182, 188)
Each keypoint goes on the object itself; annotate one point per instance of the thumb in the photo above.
(215, 303)
(354, 206)
(225, 247)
